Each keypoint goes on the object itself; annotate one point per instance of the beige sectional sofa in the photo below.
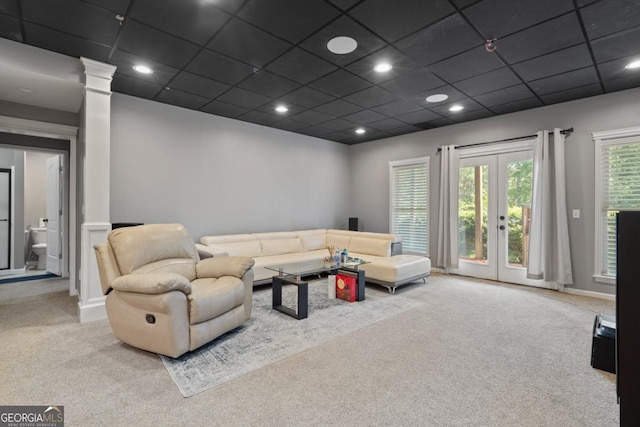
(386, 266)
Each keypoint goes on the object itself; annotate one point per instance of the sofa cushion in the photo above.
(227, 238)
(134, 247)
(281, 246)
(313, 242)
(250, 248)
(262, 273)
(395, 268)
(363, 245)
(340, 241)
(183, 266)
(276, 235)
(211, 298)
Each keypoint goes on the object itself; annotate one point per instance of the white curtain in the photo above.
(447, 255)
(549, 252)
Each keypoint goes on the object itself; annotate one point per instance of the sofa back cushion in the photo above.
(338, 238)
(250, 248)
(368, 246)
(135, 247)
(227, 238)
(313, 240)
(281, 246)
(276, 235)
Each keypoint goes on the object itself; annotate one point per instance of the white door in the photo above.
(54, 215)
(494, 206)
(5, 217)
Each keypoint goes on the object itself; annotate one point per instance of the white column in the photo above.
(96, 140)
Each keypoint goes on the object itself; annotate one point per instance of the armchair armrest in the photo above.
(226, 266)
(152, 283)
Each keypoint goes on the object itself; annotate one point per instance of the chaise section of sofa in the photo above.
(386, 266)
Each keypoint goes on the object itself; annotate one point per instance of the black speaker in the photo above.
(353, 224)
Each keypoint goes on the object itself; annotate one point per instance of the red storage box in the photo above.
(346, 287)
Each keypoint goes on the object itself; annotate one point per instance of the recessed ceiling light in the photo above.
(632, 65)
(456, 108)
(382, 67)
(143, 69)
(438, 97)
(342, 45)
(25, 89)
(281, 109)
(360, 131)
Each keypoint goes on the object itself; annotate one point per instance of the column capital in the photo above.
(98, 75)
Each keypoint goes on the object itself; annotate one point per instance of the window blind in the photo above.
(620, 191)
(409, 205)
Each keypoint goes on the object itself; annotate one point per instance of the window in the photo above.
(617, 188)
(409, 203)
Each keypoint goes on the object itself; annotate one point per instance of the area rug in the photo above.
(270, 336)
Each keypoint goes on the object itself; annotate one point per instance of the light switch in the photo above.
(576, 213)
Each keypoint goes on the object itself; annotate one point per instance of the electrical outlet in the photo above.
(576, 213)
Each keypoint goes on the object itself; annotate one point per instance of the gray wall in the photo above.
(369, 165)
(22, 111)
(35, 187)
(218, 175)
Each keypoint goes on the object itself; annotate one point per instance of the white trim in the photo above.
(604, 279)
(600, 295)
(616, 133)
(426, 160)
(602, 139)
(497, 148)
(415, 160)
(94, 310)
(55, 131)
(35, 128)
(91, 296)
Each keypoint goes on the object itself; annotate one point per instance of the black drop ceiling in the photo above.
(241, 58)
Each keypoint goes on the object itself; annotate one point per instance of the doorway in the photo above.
(36, 222)
(494, 211)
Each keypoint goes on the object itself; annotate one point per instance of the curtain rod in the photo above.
(563, 131)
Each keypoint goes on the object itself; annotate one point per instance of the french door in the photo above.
(494, 211)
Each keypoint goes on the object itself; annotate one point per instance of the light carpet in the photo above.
(270, 336)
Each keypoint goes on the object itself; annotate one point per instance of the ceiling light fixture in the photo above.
(438, 97)
(360, 131)
(382, 67)
(143, 69)
(25, 89)
(342, 45)
(490, 45)
(281, 109)
(456, 108)
(633, 65)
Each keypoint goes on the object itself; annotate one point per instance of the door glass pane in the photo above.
(473, 213)
(519, 190)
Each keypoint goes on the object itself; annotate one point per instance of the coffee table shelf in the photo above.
(292, 274)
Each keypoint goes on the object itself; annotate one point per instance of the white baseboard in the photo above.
(600, 295)
(608, 297)
(95, 310)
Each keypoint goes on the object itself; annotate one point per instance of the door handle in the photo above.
(4, 219)
(501, 227)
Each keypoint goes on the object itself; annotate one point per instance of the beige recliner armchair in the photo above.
(162, 298)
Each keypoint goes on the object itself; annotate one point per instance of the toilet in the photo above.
(39, 246)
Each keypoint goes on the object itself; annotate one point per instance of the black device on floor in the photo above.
(603, 348)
